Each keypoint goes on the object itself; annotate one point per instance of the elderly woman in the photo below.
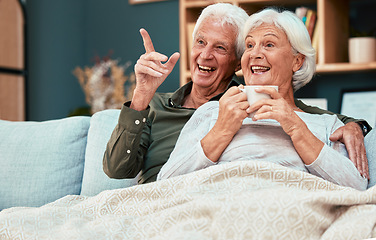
(278, 52)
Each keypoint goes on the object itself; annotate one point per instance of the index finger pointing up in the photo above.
(148, 44)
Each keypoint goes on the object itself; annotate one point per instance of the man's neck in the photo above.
(200, 96)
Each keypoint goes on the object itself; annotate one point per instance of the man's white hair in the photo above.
(228, 14)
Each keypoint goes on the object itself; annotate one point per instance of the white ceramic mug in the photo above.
(253, 96)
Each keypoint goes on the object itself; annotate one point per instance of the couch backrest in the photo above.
(95, 180)
(41, 162)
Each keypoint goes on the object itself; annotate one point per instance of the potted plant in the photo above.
(362, 46)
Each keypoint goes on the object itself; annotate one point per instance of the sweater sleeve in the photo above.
(188, 155)
(333, 163)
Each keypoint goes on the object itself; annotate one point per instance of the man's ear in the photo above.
(238, 67)
(299, 60)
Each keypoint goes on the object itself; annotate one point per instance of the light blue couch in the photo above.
(41, 162)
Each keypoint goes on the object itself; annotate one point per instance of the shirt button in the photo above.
(137, 122)
(128, 151)
(144, 120)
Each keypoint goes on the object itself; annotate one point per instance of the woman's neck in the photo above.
(288, 95)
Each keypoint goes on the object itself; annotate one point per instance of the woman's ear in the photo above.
(298, 62)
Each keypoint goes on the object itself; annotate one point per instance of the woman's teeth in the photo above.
(258, 69)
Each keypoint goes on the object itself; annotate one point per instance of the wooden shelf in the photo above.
(345, 67)
(333, 28)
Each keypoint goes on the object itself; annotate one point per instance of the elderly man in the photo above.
(150, 124)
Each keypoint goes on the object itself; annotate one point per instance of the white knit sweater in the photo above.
(265, 141)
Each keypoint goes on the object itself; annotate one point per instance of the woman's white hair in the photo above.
(296, 33)
(227, 14)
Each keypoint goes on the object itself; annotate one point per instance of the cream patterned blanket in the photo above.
(239, 200)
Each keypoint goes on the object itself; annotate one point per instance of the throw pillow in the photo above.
(41, 162)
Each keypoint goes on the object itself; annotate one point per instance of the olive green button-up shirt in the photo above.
(143, 140)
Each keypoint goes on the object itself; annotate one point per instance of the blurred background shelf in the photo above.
(333, 28)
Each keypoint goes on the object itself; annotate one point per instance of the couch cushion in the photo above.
(95, 180)
(41, 161)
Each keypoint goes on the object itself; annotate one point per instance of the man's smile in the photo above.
(206, 68)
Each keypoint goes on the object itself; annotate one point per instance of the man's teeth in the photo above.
(259, 69)
(206, 69)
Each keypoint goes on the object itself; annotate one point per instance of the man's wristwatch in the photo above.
(364, 127)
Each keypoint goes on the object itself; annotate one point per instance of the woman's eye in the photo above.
(221, 48)
(270, 45)
(249, 45)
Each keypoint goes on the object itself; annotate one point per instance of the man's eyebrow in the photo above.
(226, 44)
(199, 35)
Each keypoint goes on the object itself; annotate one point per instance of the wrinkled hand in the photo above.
(232, 111)
(352, 136)
(306, 144)
(150, 70)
